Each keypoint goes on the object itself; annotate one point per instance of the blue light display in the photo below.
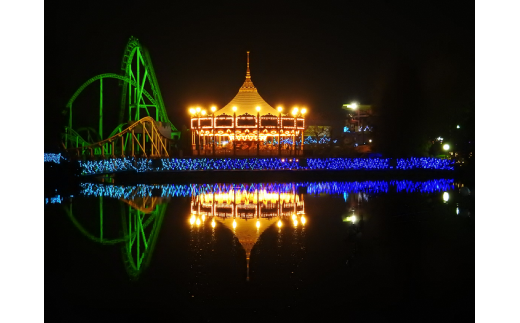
(186, 164)
(52, 158)
(115, 165)
(347, 163)
(140, 165)
(424, 163)
(323, 140)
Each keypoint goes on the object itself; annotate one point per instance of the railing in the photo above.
(142, 138)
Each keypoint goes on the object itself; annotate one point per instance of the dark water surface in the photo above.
(364, 252)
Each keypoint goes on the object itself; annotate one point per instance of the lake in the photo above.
(368, 251)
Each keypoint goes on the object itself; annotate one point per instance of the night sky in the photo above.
(402, 57)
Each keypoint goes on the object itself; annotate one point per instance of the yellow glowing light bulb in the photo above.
(304, 111)
(213, 223)
(258, 224)
(279, 223)
(258, 108)
(353, 219)
(234, 223)
(294, 216)
(295, 222)
(203, 218)
(197, 222)
(197, 109)
(234, 108)
(303, 220)
(295, 111)
(280, 109)
(213, 108)
(192, 111)
(203, 112)
(192, 219)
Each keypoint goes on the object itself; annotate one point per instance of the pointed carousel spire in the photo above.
(248, 74)
(248, 84)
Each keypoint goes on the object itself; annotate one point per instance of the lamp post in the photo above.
(196, 113)
(446, 148)
(294, 113)
(301, 144)
(197, 109)
(213, 109)
(298, 113)
(280, 129)
(193, 141)
(354, 106)
(203, 112)
(234, 131)
(258, 131)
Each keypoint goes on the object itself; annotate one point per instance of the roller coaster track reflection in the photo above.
(141, 222)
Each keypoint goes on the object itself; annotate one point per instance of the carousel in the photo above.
(247, 126)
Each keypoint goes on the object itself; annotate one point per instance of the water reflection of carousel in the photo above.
(248, 210)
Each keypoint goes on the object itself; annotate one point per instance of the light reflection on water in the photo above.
(246, 210)
(182, 190)
(291, 243)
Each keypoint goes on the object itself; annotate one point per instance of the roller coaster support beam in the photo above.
(101, 108)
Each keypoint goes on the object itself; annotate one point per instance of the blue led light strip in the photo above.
(140, 165)
(52, 158)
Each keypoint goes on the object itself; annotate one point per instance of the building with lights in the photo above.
(247, 126)
(358, 124)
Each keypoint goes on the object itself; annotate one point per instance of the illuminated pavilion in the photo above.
(247, 125)
(248, 211)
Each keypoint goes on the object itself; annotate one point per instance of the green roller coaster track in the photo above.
(135, 98)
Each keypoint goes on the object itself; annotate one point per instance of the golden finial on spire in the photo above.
(248, 74)
(248, 85)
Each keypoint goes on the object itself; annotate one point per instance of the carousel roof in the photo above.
(247, 100)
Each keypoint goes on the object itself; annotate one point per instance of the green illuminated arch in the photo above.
(103, 76)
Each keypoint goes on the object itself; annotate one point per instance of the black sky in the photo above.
(316, 55)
